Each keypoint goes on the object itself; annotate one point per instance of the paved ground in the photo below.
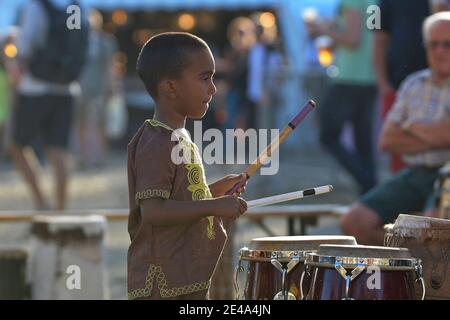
(107, 188)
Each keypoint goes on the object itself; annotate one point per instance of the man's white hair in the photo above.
(431, 20)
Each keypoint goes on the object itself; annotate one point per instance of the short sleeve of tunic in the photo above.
(154, 170)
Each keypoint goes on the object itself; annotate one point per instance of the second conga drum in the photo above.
(275, 265)
(427, 239)
(341, 272)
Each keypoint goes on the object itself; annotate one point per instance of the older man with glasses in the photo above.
(418, 128)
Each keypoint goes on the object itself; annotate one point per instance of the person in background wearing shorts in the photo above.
(418, 128)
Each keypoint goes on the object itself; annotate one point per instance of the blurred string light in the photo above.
(186, 21)
(309, 14)
(333, 71)
(326, 57)
(119, 17)
(267, 19)
(324, 50)
(10, 50)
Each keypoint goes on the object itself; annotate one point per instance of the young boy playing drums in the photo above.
(175, 222)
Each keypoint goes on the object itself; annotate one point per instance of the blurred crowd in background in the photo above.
(350, 70)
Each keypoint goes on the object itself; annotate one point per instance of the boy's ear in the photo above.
(168, 87)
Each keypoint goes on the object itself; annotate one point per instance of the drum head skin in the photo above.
(303, 243)
(406, 220)
(411, 225)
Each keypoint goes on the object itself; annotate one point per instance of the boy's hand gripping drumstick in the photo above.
(276, 142)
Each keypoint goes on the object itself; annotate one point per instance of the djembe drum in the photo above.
(275, 265)
(344, 272)
(427, 239)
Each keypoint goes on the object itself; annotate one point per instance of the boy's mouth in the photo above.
(207, 101)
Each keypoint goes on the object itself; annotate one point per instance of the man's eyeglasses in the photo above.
(435, 44)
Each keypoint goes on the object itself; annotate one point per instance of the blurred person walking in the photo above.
(50, 57)
(264, 61)
(8, 77)
(255, 77)
(98, 84)
(242, 37)
(4, 104)
(351, 96)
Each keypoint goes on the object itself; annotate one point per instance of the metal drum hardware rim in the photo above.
(317, 260)
(267, 255)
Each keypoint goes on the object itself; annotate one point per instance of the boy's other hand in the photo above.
(225, 184)
(229, 207)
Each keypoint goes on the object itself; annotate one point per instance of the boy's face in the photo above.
(195, 88)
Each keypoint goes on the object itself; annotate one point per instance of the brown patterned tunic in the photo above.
(174, 261)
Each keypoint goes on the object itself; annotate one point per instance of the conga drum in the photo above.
(275, 265)
(343, 272)
(427, 239)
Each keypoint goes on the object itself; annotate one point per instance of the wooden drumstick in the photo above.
(276, 142)
(289, 196)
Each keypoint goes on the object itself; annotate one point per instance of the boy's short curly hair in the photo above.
(165, 56)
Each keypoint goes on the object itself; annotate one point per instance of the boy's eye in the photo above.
(208, 78)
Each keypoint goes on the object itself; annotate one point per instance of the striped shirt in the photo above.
(420, 99)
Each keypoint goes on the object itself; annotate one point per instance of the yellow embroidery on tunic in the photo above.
(200, 191)
(197, 182)
(156, 123)
(152, 193)
(164, 291)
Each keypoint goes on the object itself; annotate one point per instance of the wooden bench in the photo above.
(15, 216)
(307, 215)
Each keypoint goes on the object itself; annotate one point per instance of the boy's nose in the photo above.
(213, 89)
